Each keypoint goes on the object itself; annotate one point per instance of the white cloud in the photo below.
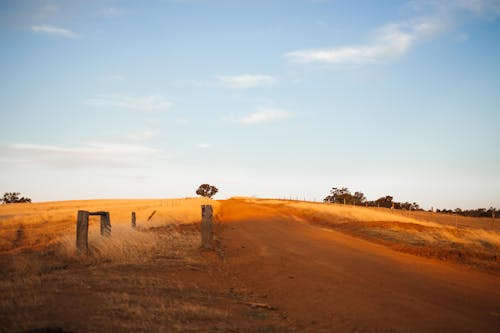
(391, 41)
(204, 145)
(450, 8)
(141, 136)
(245, 80)
(478, 6)
(56, 31)
(108, 12)
(260, 116)
(181, 121)
(462, 37)
(94, 154)
(113, 78)
(137, 103)
(396, 39)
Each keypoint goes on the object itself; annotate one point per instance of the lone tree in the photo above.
(343, 195)
(206, 190)
(13, 197)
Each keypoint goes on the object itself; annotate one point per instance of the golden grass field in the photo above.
(155, 278)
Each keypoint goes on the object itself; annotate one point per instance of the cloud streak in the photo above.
(395, 39)
(94, 154)
(145, 135)
(391, 41)
(108, 12)
(137, 103)
(245, 80)
(54, 31)
(261, 116)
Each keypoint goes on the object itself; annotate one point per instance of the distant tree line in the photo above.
(479, 212)
(342, 195)
(13, 197)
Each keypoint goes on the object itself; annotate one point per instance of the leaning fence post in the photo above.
(207, 232)
(133, 220)
(105, 224)
(82, 231)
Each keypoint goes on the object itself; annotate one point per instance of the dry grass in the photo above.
(151, 279)
(38, 225)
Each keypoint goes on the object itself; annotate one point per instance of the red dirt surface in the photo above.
(326, 281)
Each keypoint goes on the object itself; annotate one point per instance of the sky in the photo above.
(149, 99)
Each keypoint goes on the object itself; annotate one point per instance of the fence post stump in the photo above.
(82, 231)
(133, 220)
(207, 232)
(105, 224)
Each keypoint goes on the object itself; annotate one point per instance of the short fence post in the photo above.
(133, 220)
(105, 224)
(207, 232)
(82, 231)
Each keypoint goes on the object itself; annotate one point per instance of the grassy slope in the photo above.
(470, 241)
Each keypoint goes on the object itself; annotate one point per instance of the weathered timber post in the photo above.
(105, 224)
(82, 228)
(82, 231)
(207, 232)
(133, 220)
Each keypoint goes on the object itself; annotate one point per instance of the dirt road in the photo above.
(326, 281)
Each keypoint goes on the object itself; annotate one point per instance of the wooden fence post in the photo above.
(133, 220)
(105, 224)
(207, 232)
(82, 231)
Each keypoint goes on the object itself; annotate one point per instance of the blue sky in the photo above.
(127, 99)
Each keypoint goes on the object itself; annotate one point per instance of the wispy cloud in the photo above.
(94, 154)
(135, 103)
(141, 136)
(475, 6)
(391, 41)
(395, 39)
(260, 116)
(108, 12)
(53, 30)
(245, 80)
(181, 121)
(113, 78)
(204, 145)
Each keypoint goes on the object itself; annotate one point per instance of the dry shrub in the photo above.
(49, 223)
(126, 245)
